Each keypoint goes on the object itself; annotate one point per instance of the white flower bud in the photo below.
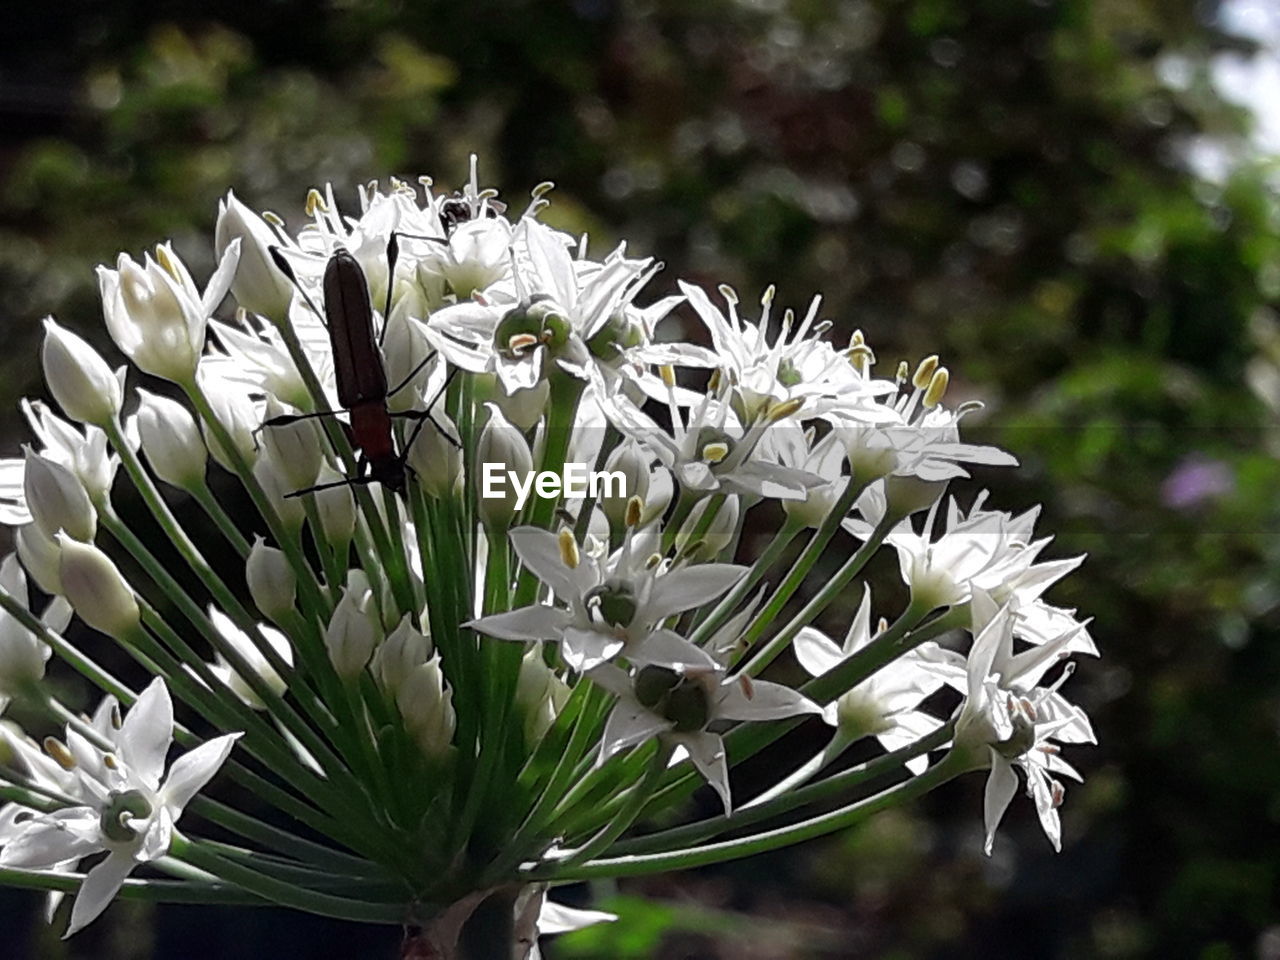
(435, 461)
(294, 448)
(171, 441)
(633, 463)
(232, 408)
(79, 379)
(22, 654)
(41, 557)
(258, 286)
(289, 509)
(540, 693)
(57, 499)
(403, 651)
(906, 495)
(718, 532)
(349, 638)
(426, 704)
(95, 588)
(271, 580)
(504, 446)
(404, 350)
(336, 506)
(813, 507)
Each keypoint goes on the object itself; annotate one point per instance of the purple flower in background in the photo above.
(1196, 480)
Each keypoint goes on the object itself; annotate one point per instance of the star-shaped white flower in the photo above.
(128, 812)
(678, 691)
(613, 603)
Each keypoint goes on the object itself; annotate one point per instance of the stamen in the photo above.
(61, 755)
(635, 510)
(569, 555)
(937, 388)
(924, 372)
(715, 452)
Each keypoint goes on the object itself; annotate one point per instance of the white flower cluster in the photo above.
(405, 348)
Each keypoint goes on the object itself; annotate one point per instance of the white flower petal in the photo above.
(744, 699)
(816, 652)
(690, 586)
(193, 770)
(98, 890)
(629, 723)
(1002, 784)
(65, 835)
(535, 622)
(147, 733)
(707, 752)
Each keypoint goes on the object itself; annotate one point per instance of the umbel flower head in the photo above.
(463, 673)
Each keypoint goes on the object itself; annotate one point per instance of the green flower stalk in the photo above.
(494, 620)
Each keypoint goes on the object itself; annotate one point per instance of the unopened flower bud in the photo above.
(540, 693)
(41, 557)
(22, 654)
(233, 409)
(271, 580)
(151, 315)
(633, 463)
(79, 379)
(399, 655)
(336, 507)
(293, 447)
(289, 509)
(95, 588)
(258, 286)
(436, 459)
(717, 535)
(426, 704)
(171, 441)
(405, 351)
(57, 499)
(349, 638)
(501, 448)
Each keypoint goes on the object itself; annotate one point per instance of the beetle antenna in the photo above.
(393, 254)
(285, 267)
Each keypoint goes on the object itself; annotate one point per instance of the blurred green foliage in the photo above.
(1002, 183)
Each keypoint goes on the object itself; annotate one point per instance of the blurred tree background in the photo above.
(1008, 183)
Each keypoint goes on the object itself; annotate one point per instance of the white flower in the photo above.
(257, 285)
(400, 654)
(798, 365)
(825, 459)
(426, 704)
(171, 440)
(1009, 721)
(155, 313)
(128, 813)
(350, 636)
(887, 704)
(987, 550)
(614, 603)
(677, 690)
(83, 451)
(271, 580)
(254, 658)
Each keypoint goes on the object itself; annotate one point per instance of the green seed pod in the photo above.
(687, 706)
(121, 807)
(614, 602)
(653, 683)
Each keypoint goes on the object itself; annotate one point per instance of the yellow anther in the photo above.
(713, 383)
(426, 181)
(857, 340)
(545, 187)
(109, 761)
(937, 387)
(569, 550)
(653, 561)
(766, 299)
(780, 411)
(166, 261)
(730, 295)
(924, 372)
(668, 374)
(635, 510)
(521, 341)
(862, 357)
(61, 755)
(715, 452)
(273, 218)
(316, 201)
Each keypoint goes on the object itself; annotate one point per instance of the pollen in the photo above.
(924, 372)
(937, 387)
(61, 755)
(316, 202)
